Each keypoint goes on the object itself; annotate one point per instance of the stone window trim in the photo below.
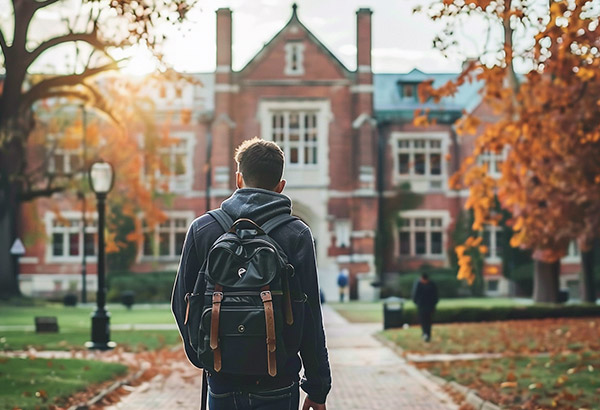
(174, 229)
(55, 227)
(413, 155)
(294, 58)
(422, 224)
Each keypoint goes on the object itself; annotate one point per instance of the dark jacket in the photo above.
(296, 240)
(425, 295)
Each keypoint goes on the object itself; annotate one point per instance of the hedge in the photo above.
(491, 314)
(151, 287)
(447, 284)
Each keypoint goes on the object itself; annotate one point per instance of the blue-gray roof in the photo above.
(388, 101)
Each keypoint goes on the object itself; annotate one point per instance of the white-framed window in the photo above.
(493, 240)
(177, 159)
(307, 151)
(494, 162)
(573, 253)
(492, 285)
(418, 158)
(422, 234)
(165, 241)
(297, 132)
(408, 91)
(343, 229)
(63, 161)
(66, 239)
(294, 58)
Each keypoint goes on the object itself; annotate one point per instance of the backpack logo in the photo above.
(241, 271)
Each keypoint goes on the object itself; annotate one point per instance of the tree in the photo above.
(94, 30)
(547, 121)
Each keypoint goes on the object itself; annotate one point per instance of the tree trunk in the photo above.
(546, 281)
(9, 285)
(586, 277)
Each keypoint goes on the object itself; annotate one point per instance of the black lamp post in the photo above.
(101, 181)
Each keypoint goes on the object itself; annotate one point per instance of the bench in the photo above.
(46, 324)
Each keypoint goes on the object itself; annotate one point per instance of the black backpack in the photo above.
(237, 324)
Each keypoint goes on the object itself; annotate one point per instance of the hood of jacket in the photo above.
(256, 204)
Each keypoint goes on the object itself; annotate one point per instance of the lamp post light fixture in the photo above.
(101, 180)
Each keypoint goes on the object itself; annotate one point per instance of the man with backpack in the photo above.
(246, 296)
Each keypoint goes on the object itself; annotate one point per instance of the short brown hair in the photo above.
(260, 162)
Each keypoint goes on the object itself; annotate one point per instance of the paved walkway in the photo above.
(366, 376)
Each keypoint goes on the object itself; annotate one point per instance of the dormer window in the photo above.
(294, 58)
(408, 91)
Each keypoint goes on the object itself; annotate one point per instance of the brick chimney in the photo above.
(223, 40)
(222, 125)
(363, 40)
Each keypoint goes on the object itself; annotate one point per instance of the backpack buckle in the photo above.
(266, 296)
(217, 297)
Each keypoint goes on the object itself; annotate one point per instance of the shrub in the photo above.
(523, 277)
(496, 313)
(70, 299)
(151, 287)
(445, 279)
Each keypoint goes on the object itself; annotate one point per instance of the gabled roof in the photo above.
(293, 20)
(388, 102)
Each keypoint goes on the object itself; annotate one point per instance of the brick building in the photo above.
(349, 141)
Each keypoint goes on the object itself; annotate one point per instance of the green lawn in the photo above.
(565, 381)
(74, 327)
(78, 317)
(361, 312)
(138, 340)
(39, 383)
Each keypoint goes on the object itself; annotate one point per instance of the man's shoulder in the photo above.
(298, 227)
(202, 223)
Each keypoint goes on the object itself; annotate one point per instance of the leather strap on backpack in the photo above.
(217, 298)
(267, 299)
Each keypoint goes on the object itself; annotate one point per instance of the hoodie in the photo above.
(307, 337)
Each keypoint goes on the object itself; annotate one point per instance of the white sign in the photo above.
(17, 248)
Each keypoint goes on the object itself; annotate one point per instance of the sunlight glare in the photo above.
(137, 61)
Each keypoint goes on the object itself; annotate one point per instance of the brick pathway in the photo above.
(366, 376)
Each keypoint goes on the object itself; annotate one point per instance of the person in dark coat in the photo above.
(425, 296)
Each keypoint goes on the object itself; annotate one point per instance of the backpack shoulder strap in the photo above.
(222, 218)
(277, 221)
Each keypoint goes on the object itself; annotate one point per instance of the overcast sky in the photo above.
(401, 40)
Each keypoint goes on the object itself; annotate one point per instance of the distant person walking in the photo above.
(425, 296)
(342, 282)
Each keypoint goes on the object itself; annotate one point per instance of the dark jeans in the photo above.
(286, 398)
(426, 318)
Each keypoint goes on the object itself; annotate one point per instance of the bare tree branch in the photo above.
(37, 193)
(46, 3)
(90, 38)
(3, 44)
(53, 84)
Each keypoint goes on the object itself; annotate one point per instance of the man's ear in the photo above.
(239, 180)
(279, 187)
